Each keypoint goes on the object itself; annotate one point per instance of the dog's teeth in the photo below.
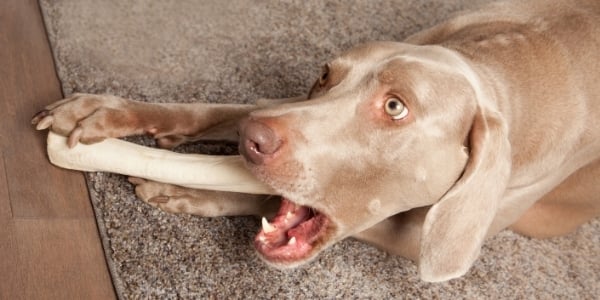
(262, 239)
(292, 241)
(266, 226)
(289, 215)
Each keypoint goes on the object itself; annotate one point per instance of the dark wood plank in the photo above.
(44, 264)
(28, 82)
(9, 283)
(54, 259)
(5, 213)
(8, 250)
(49, 242)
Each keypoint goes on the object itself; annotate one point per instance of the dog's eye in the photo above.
(324, 75)
(395, 108)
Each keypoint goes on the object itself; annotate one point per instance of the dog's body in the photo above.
(424, 148)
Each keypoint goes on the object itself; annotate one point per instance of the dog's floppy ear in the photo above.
(456, 226)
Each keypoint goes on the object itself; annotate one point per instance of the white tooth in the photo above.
(262, 239)
(292, 241)
(267, 228)
(289, 215)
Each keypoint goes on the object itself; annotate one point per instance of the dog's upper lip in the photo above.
(291, 236)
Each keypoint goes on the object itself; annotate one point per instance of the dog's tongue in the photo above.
(289, 236)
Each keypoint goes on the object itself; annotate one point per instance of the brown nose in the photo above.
(258, 141)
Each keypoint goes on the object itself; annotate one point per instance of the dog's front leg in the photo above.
(176, 199)
(91, 118)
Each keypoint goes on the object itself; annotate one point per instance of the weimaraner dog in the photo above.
(423, 148)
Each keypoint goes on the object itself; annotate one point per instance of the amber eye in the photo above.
(324, 75)
(395, 108)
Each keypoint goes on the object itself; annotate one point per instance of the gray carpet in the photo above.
(236, 51)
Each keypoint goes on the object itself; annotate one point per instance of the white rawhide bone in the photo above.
(210, 172)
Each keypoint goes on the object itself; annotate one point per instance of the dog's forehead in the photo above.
(357, 67)
(399, 68)
(402, 64)
(385, 62)
(361, 59)
(370, 51)
(378, 55)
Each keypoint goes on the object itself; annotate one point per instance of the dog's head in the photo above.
(387, 127)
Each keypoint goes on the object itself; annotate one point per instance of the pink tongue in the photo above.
(305, 231)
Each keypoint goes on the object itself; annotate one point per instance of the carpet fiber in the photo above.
(237, 51)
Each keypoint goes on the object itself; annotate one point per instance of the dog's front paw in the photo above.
(175, 199)
(86, 118)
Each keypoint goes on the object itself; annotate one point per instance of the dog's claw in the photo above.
(39, 116)
(45, 123)
(74, 137)
(159, 199)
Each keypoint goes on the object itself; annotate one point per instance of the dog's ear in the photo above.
(456, 226)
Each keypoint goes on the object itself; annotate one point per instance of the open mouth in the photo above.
(292, 235)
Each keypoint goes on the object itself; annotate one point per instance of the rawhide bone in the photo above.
(209, 172)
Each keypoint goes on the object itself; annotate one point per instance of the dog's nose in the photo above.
(257, 141)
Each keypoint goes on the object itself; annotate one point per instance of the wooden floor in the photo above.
(49, 242)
